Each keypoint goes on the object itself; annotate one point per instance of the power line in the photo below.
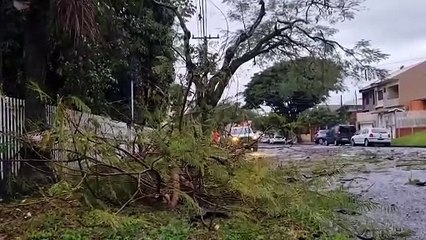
(227, 28)
(202, 18)
(205, 18)
(401, 61)
(203, 36)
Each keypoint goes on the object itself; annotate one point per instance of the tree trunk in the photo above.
(36, 52)
(36, 55)
(175, 180)
(2, 35)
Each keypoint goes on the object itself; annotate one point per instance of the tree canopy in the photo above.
(291, 87)
(320, 117)
(275, 31)
(89, 50)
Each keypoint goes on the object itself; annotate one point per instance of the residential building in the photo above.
(386, 101)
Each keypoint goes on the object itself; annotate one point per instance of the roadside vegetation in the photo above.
(415, 140)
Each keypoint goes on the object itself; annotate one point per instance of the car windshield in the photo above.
(240, 130)
(379, 130)
(323, 131)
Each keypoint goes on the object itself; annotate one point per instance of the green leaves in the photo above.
(320, 117)
(291, 87)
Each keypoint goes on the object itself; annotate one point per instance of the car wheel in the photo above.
(353, 143)
(336, 143)
(366, 143)
(321, 141)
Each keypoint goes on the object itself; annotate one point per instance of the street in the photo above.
(392, 177)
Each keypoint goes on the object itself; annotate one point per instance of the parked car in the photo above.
(369, 136)
(243, 136)
(277, 139)
(264, 139)
(340, 134)
(320, 136)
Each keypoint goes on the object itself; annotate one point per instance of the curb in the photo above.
(407, 146)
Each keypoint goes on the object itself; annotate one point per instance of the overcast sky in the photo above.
(394, 26)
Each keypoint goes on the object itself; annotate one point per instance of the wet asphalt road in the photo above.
(382, 175)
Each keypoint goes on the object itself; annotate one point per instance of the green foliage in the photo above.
(113, 42)
(176, 230)
(104, 225)
(231, 112)
(290, 88)
(261, 200)
(320, 117)
(60, 188)
(263, 204)
(418, 140)
(271, 122)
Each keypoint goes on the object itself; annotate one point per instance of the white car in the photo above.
(264, 139)
(369, 136)
(277, 139)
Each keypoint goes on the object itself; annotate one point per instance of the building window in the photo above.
(366, 98)
(373, 96)
(380, 95)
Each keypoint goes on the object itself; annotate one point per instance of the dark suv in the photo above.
(340, 134)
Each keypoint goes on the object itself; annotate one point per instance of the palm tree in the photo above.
(75, 17)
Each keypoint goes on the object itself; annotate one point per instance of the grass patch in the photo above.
(417, 140)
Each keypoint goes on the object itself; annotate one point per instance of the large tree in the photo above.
(275, 30)
(93, 60)
(291, 87)
(320, 117)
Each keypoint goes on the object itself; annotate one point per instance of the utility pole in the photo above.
(356, 99)
(205, 46)
(132, 102)
(202, 17)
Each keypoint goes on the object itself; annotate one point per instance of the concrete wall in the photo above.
(417, 105)
(401, 132)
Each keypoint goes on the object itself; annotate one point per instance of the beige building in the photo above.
(384, 101)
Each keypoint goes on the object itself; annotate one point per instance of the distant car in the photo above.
(264, 139)
(369, 136)
(277, 139)
(244, 137)
(340, 134)
(320, 136)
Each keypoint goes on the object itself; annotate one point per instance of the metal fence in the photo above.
(411, 119)
(12, 122)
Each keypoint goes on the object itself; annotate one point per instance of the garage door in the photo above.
(365, 125)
